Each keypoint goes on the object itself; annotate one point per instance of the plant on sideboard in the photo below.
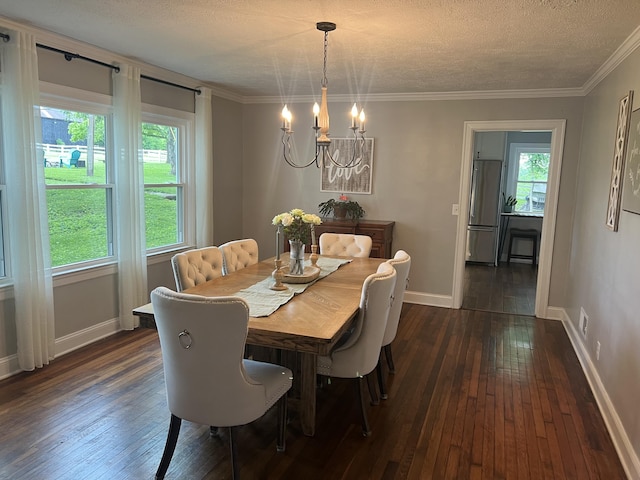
(341, 208)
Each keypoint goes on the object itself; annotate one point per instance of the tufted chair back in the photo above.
(345, 245)
(196, 266)
(402, 263)
(239, 254)
(202, 340)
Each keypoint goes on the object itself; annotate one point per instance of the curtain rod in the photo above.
(165, 82)
(70, 56)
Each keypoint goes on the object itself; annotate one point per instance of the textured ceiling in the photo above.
(272, 47)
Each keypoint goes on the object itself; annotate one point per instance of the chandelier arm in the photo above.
(286, 147)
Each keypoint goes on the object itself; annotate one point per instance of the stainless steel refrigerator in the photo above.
(484, 212)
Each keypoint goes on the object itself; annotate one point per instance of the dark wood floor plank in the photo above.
(475, 395)
(503, 289)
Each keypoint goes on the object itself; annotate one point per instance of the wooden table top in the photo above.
(311, 321)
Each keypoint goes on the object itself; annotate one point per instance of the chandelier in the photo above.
(321, 125)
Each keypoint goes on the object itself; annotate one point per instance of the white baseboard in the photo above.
(555, 313)
(431, 300)
(9, 366)
(623, 446)
(63, 345)
(75, 340)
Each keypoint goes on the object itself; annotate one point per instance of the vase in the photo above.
(296, 257)
(508, 208)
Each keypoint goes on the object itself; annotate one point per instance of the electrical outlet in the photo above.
(455, 209)
(584, 322)
(598, 350)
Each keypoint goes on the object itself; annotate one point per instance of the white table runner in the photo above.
(263, 301)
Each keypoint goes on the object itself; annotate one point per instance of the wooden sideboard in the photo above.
(380, 231)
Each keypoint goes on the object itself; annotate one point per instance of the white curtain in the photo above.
(132, 257)
(204, 169)
(28, 235)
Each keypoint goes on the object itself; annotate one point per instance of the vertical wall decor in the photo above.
(617, 171)
(357, 179)
(631, 190)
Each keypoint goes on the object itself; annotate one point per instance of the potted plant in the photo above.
(341, 208)
(508, 203)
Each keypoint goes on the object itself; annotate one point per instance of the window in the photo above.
(78, 182)
(166, 143)
(528, 173)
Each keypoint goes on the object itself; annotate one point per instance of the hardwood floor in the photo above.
(504, 289)
(475, 395)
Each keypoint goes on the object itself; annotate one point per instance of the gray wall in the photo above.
(417, 161)
(604, 269)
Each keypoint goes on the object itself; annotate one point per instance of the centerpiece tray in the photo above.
(309, 275)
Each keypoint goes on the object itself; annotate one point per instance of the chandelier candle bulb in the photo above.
(316, 111)
(354, 115)
(286, 119)
(362, 120)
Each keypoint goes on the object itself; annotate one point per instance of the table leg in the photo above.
(308, 371)
(504, 225)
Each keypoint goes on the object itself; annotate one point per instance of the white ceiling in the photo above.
(272, 47)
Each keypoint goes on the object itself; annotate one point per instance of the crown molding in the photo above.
(623, 51)
(428, 96)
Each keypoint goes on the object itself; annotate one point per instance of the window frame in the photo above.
(64, 98)
(5, 263)
(185, 171)
(5, 258)
(513, 170)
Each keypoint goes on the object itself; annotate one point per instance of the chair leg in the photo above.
(381, 382)
(373, 392)
(387, 353)
(282, 423)
(170, 446)
(366, 431)
(234, 456)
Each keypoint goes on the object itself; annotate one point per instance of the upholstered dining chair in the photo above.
(345, 245)
(196, 266)
(402, 263)
(358, 356)
(239, 254)
(208, 382)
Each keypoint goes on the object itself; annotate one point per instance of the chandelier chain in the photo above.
(324, 69)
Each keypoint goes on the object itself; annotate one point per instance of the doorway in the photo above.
(556, 129)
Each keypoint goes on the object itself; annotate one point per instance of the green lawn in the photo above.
(77, 218)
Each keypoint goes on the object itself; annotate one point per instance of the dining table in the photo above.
(310, 323)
